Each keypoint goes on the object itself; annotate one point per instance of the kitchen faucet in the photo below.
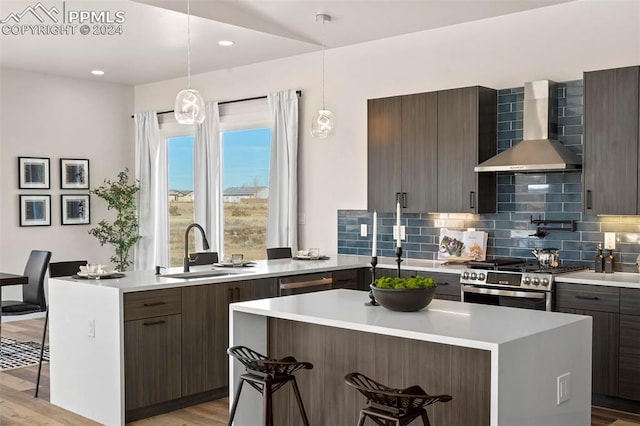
(205, 244)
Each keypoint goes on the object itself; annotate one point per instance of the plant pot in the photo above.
(403, 299)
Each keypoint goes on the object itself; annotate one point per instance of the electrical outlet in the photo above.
(610, 240)
(92, 328)
(439, 223)
(403, 235)
(363, 229)
(564, 387)
(302, 219)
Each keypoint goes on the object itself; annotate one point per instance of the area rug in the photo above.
(624, 423)
(15, 354)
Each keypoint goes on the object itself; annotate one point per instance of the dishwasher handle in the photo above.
(288, 285)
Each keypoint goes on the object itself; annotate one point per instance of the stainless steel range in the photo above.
(510, 282)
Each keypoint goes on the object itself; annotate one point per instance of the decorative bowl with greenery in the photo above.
(404, 294)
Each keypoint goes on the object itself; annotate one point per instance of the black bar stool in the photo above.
(399, 406)
(267, 375)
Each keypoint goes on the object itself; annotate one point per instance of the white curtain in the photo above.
(208, 178)
(151, 172)
(282, 220)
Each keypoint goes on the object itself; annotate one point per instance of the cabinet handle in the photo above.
(344, 280)
(589, 207)
(579, 296)
(442, 283)
(404, 200)
(154, 322)
(154, 304)
(472, 200)
(237, 294)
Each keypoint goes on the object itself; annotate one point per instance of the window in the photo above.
(180, 180)
(245, 179)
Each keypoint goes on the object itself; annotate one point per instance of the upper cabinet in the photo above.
(422, 149)
(611, 138)
(402, 152)
(467, 126)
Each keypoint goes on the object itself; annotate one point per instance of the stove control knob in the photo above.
(536, 281)
(526, 280)
(465, 275)
(474, 275)
(545, 282)
(481, 276)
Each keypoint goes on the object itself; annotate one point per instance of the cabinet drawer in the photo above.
(590, 297)
(153, 303)
(630, 301)
(448, 284)
(347, 278)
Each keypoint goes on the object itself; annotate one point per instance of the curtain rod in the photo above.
(298, 92)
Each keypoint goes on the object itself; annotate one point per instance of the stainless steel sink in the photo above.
(199, 274)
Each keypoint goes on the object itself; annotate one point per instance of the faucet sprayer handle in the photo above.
(158, 269)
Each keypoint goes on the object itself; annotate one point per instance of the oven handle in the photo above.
(510, 293)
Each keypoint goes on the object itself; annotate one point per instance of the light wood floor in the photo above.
(19, 407)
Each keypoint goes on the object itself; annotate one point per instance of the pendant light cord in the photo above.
(188, 46)
(323, 50)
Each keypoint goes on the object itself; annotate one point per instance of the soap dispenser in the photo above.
(609, 263)
(599, 261)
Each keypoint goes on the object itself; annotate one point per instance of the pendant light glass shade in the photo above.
(189, 108)
(322, 124)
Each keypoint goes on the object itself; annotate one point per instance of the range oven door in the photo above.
(538, 300)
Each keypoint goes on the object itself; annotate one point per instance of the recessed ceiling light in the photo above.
(226, 43)
(97, 72)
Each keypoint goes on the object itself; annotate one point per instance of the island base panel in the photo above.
(463, 373)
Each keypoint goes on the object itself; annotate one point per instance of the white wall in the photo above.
(557, 43)
(49, 116)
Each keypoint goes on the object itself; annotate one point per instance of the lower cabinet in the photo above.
(629, 372)
(602, 304)
(349, 278)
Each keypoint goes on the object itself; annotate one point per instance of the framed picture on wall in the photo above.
(33, 173)
(74, 173)
(35, 210)
(75, 209)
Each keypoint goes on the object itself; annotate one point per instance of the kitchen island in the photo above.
(501, 365)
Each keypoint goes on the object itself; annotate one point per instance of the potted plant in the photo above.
(404, 294)
(120, 196)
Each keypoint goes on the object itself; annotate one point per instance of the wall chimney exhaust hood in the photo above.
(539, 151)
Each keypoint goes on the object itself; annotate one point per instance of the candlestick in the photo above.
(374, 262)
(398, 243)
(374, 245)
(399, 258)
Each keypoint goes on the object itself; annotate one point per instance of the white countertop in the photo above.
(617, 279)
(455, 323)
(147, 280)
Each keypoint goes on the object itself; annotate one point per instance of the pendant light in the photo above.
(322, 122)
(189, 107)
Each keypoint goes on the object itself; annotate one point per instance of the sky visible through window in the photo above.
(246, 156)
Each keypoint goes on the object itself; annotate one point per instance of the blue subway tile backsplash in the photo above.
(521, 197)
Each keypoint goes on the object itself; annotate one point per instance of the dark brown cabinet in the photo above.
(466, 137)
(602, 304)
(629, 373)
(422, 149)
(402, 154)
(611, 140)
(205, 330)
(152, 348)
(349, 278)
(448, 284)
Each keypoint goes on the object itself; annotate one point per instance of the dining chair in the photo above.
(279, 253)
(56, 269)
(33, 298)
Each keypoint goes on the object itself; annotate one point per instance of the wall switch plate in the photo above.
(403, 235)
(564, 388)
(363, 229)
(302, 219)
(92, 328)
(610, 240)
(439, 223)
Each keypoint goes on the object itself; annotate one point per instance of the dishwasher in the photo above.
(307, 283)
